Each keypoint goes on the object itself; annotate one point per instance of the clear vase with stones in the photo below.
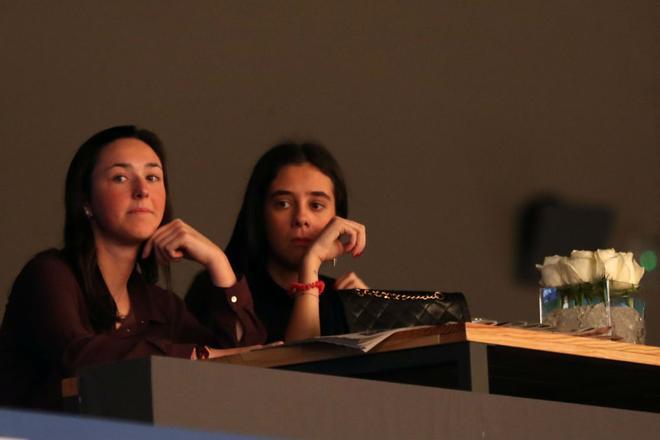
(608, 308)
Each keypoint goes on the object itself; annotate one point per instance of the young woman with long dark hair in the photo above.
(293, 219)
(96, 299)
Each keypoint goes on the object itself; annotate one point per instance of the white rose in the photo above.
(601, 256)
(581, 267)
(622, 267)
(569, 274)
(551, 272)
(588, 267)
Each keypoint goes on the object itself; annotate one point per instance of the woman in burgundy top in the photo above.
(96, 299)
(293, 219)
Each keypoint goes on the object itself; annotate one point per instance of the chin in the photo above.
(290, 261)
(139, 236)
(295, 256)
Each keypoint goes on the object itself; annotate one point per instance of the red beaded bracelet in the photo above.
(297, 288)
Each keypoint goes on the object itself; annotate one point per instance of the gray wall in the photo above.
(446, 115)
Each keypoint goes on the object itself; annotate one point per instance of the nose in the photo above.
(140, 190)
(300, 217)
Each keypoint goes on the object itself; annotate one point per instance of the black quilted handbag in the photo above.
(370, 309)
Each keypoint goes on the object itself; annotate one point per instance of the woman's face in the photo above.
(299, 204)
(128, 192)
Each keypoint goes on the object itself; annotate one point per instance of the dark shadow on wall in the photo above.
(549, 226)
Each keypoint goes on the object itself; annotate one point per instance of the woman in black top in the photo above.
(292, 220)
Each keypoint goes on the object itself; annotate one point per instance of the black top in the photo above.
(272, 305)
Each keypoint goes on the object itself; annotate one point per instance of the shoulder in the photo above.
(46, 274)
(49, 258)
(48, 265)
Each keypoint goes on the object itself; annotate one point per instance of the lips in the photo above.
(301, 241)
(140, 211)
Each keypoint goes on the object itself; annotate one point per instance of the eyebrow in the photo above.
(128, 165)
(282, 192)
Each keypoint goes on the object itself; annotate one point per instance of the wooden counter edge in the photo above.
(320, 351)
(563, 343)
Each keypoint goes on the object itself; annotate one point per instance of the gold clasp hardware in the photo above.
(397, 296)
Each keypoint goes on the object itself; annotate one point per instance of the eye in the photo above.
(281, 204)
(317, 206)
(119, 178)
(153, 178)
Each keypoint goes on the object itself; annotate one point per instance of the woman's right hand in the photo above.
(177, 240)
(340, 236)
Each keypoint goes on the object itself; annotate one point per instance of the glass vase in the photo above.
(627, 311)
(612, 308)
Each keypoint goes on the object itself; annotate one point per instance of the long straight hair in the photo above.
(79, 245)
(248, 248)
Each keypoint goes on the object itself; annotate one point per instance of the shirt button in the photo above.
(128, 330)
(141, 322)
(233, 299)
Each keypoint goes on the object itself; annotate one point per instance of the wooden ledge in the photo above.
(320, 351)
(563, 343)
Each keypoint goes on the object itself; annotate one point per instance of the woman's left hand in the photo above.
(177, 240)
(340, 236)
(350, 281)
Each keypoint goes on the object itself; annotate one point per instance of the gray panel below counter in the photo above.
(276, 403)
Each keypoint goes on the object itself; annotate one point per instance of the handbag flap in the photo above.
(371, 309)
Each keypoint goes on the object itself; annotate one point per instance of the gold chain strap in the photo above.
(397, 296)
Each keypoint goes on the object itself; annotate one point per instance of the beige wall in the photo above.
(446, 115)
